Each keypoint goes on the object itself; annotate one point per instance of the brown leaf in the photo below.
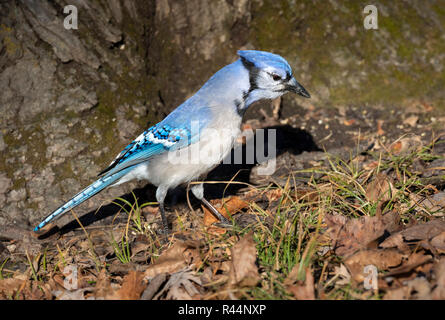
(415, 260)
(433, 203)
(424, 231)
(233, 205)
(103, 289)
(78, 294)
(380, 189)
(10, 286)
(394, 241)
(181, 286)
(343, 274)
(175, 258)
(243, 271)
(380, 130)
(349, 235)
(349, 122)
(438, 242)
(302, 290)
(132, 287)
(406, 145)
(381, 259)
(411, 120)
(417, 288)
(439, 273)
(154, 286)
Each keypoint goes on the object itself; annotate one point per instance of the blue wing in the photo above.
(180, 129)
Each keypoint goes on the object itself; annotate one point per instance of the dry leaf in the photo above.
(233, 205)
(10, 286)
(439, 273)
(433, 203)
(103, 289)
(411, 121)
(415, 260)
(181, 286)
(343, 274)
(406, 145)
(380, 189)
(175, 258)
(302, 290)
(424, 231)
(243, 271)
(349, 235)
(349, 122)
(70, 295)
(380, 130)
(132, 287)
(417, 288)
(381, 259)
(438, 242)
(154, 286)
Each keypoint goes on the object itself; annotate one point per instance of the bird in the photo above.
(173, 152)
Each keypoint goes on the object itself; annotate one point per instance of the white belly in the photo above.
(193, 162)
(178, 167)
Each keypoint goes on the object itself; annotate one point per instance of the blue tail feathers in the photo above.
(84, 195)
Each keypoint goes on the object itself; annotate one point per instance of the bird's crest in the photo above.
(266, 60)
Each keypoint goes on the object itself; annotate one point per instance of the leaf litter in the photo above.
(306, 235)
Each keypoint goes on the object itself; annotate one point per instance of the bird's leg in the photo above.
(161, 192)
(164, 218)
(198, 192)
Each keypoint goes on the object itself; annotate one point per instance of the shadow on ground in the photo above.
(287, 139)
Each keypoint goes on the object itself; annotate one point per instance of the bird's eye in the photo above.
(276, 77)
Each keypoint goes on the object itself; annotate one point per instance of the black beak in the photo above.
(294, 86)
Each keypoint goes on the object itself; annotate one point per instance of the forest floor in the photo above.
(358, 213)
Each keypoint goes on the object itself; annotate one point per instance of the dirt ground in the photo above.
(354, 188)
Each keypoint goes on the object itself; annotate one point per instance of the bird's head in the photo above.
(270, 76)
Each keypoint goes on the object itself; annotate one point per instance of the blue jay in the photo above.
(169, 153)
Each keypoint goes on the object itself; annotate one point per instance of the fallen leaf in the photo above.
(394, 241)
(380, 130)
(380, 189)
(349, 235)
(343, 274)
(414, 260)
(417, 288)
(274, 194)
(434, 203)
(424, 231)
(405, 145)
(303, 290)
(78, 294)
(411, 121)
(438, 242)
(439, 273)
(401, 293)
(181, 286)
(243, 270)
(10, 286)
(232, 205)
(154, 286)
(132, 286)
(175, 258)
(427, 107)
(381, 259)
(103, 289)
(349, 122)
